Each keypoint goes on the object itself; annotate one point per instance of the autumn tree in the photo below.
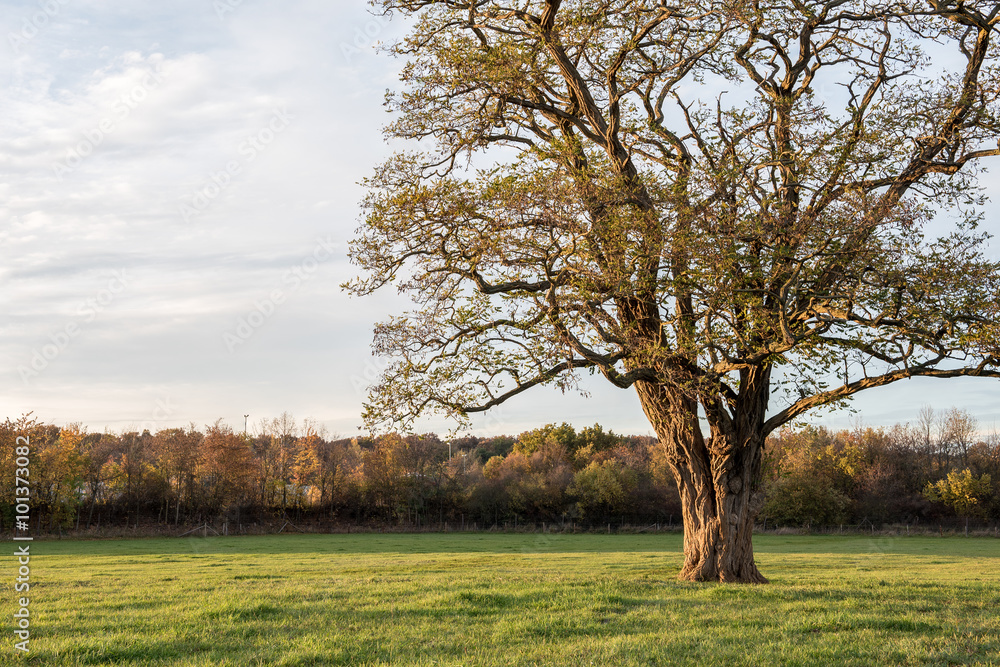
(320, 467)
(967, 494)
(38, 435)
(958, 433)
(332, 469)
(705, 202)
(928, 445)
(226, 468)
(282, 433)
(602, 489)
(386, 465)
(59, 468)
(128, 470)
(533, 486)
(177, 451)
(809, 479)
(308, 470)
(98, 472)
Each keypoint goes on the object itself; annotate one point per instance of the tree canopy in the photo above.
(707, 203)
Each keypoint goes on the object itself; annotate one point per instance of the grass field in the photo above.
(474, 599)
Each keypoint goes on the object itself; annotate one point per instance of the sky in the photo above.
(178, 185)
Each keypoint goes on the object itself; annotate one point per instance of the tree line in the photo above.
(938, 469)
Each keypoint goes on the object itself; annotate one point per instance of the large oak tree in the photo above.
(722, 205)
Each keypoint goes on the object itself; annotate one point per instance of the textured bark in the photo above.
(717, 481)
(718, 530)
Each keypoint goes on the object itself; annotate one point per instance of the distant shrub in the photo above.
(804, 501)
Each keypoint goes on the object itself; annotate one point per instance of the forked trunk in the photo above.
(717, 484)
(718, 529)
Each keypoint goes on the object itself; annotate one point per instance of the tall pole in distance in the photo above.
(245, 417)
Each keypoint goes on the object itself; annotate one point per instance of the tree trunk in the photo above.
(718, 529)
(717, 482)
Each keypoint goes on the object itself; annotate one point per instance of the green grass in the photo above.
(474, 599)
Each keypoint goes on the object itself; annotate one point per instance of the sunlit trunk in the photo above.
(717, 485)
